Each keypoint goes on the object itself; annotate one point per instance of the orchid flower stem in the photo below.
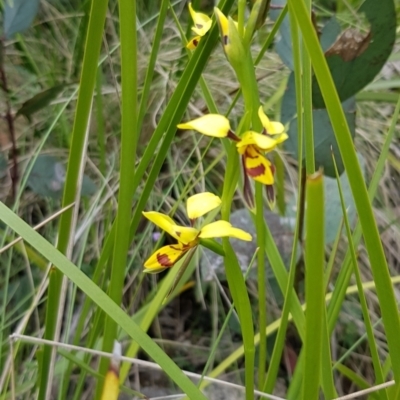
(307, 106)
(127, 12)
(241, 12)
(261, 278)
(247, 78)
(234, 274)
(248, 82)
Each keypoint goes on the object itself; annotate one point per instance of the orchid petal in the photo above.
(184, 234)
(281, 138)
(202, 22)
(164, 222)
(223, 229)
(210, 125)
(272, 127)
(193, 43)
(201, 204)
(258, 167)
(223, 25)
(165, 257)
(261, 142)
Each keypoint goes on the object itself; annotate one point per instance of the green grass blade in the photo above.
(152, 61)
(373, 243)
(129, 135)
(236, 282)
(314, 285)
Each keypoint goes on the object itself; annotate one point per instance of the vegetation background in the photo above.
(89, 113)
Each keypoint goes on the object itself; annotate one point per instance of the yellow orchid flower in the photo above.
(189, 237)
(251, 146)
(201, 25)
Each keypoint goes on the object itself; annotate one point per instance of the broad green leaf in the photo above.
(283, 45)
(329, 33)
(18, 15)
(40, 100)
(356, 58)
(324, 137)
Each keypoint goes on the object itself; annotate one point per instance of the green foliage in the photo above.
(355, 60)
(18, 16)
(47, 178)
(324, 137)
(136, 83)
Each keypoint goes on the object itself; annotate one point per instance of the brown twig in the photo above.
(10, 121)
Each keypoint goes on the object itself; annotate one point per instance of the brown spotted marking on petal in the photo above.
(195, 42)
(256, 171)
(225, 40)
(199, 26)
(164, 260)
(178, 233)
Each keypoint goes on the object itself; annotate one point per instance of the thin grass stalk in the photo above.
(373, 243)
(314, 287)
(276, 356)
(101, 141)
(373, 347)
(234, 275)
(261, 283)
(271, 35)
(129, 135)
(353, 376)
(282, 278)
(101, 299)
(87, 84)
(245, 73)
(307, 104)
(156, 41)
